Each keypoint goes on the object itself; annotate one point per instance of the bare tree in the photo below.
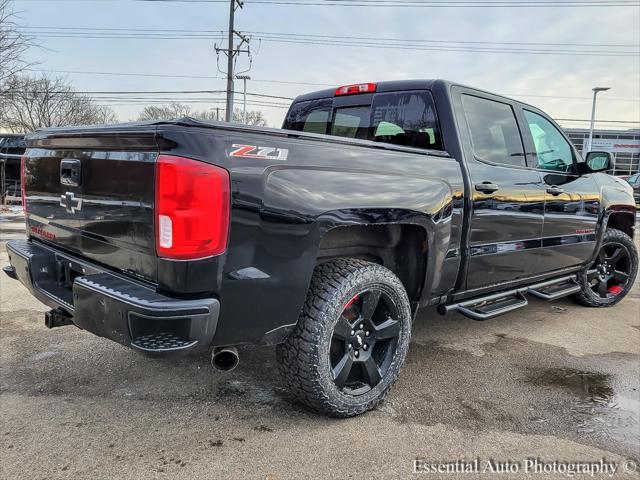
(177, 110)
(13, 43)
(254, 117)
(28, 103)
(173, 110)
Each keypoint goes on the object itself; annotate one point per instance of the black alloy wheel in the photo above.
(610, 277)
(611, 272)
(364, 342)
(351, 339)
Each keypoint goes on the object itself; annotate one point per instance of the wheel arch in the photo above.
(623, 220)
(402, 241)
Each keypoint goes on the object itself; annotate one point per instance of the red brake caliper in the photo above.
(351, 302)
(615, 289)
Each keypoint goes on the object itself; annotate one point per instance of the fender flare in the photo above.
(437, 230)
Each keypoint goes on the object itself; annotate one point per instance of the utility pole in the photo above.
(231, 51)
(593, 117)
(230, 55)
(244, 78)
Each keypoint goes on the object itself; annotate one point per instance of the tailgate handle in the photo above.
(70, 172)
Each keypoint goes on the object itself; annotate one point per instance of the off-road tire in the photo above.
(587, 296)
(303, 358)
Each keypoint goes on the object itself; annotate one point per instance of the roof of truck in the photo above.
(388, 86)
(398, 85)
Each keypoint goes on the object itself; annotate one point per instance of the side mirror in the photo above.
(599, 161)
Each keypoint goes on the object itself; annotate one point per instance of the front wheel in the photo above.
(351, 338)
(611, 276)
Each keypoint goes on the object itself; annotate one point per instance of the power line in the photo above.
(406, 3)
(464, 42)
(563, 97)
(426, 4)
(460, 49)
(219, 33)
(451, 48)
(144, 92)
(217, 101)
(125, 98)
(163, 75)
(416, 45)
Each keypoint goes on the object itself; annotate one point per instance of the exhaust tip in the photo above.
(225, 358)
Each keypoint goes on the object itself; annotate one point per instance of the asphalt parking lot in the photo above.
(554, 381)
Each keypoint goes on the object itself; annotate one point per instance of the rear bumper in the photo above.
(110, 305)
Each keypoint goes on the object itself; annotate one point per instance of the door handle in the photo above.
(486, 187)
(555, 190)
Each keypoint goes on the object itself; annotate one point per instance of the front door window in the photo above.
(552, 150)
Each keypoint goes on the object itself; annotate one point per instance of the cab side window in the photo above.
(494, 131)
(311, 117)
(552, 150)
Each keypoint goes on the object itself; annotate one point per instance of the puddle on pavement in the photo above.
(600, 408)
(522, 387)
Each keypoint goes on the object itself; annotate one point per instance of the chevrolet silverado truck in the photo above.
(324, 237)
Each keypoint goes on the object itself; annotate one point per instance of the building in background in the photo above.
(624, 144)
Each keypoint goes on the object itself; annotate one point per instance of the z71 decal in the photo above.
(263, 153)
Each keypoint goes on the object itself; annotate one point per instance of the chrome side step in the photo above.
(490, 306)
(555, 290)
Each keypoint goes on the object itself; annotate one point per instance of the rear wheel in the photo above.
(611, 276)
(351, 339)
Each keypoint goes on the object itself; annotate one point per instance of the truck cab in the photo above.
(533, 208)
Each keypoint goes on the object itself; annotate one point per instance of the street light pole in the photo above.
(593, 115)
(244, 78)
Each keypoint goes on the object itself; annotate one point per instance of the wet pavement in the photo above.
(553, 381)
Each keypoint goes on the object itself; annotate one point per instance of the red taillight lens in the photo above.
(356, 89)
(23, 162)
(192, 208)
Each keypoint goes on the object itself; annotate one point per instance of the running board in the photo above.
(555, 290)
(487, 308)
(490, 306)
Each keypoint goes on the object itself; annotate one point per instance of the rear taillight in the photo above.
(356, 89)
(192, 208)
(23, 165)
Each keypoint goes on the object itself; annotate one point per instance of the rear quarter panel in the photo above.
(282, 208)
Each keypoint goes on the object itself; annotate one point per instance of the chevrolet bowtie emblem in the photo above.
(70, 203)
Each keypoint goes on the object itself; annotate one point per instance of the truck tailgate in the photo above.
(95, 197)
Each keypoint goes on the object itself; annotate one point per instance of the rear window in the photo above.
(401, 118)
(351, 122)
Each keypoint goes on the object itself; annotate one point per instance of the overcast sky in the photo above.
(534, 78)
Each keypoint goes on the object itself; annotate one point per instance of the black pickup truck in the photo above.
(324, 237)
